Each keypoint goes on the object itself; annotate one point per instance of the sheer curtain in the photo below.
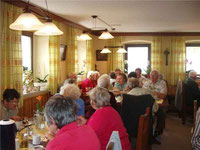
(115, 60)
(177, 63)
(54, 62)
(11, 52)
(90, 55)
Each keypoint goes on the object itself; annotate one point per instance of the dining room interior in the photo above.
(73, 38)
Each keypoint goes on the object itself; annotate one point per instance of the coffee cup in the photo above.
(36, 139)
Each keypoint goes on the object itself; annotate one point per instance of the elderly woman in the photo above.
(105, 120)
(64, 132)
(72, 91)
(87, 84)
(96, 75)
(120, 86)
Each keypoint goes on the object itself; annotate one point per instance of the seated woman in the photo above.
(8, 107)
(96, 76)
(72, 91)
(105, 120)
(104, 82)
(120, 86)
(87, 84)
(64, 132)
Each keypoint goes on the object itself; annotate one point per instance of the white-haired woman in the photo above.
(87, 84)
(72, 91)
(105, 120)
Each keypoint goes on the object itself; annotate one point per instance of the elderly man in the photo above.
(60, 114)
(8, 107)
(192, 89)
(157, 86)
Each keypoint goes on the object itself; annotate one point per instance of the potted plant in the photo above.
(42, 83)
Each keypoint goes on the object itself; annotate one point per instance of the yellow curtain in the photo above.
(72, 52)
(115, 60)
(177, 58)
(90, 55)
(157, 54)
(11, 52)
(54, 62)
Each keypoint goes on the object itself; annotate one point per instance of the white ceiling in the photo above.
(132, 15)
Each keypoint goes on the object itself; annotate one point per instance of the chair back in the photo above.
(178, 96)
(142, 142)
(195, 113)
(132, 108)
(114, 142)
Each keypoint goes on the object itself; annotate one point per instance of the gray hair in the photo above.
(103, 81)
(69, 81)
(89, 74)
(62, 109)
(70, 90)
(133, 82)
(100, 96)
(192, 74)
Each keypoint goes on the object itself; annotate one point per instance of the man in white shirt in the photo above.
(157, 86)
(139, 76)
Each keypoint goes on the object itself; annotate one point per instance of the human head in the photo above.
(70, 90)
(132, 74)
(133, 82)
(117, 71)
(193, 75)
(121, 79)
(60, 111)
(112, 75)
(11, 98)
(154, 76)
(96, 75)
(99, 97)
(90, 75)
(69, 81)
(103, 81)
(138, 72)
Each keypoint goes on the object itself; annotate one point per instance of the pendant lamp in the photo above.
(84, 36)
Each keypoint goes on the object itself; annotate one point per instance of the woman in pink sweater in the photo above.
(105, 120)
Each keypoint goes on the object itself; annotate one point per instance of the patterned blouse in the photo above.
(196, 135)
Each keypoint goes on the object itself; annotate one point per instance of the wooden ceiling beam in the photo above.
(155, 33)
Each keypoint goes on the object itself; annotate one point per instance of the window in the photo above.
(26, 42)
(138, 56)
(192, 57)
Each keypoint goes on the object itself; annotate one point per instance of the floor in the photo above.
(176, 136)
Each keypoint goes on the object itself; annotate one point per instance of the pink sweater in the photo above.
(74, 137)
(106, 120)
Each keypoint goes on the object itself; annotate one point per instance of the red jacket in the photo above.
(74, 137)
(106, 120)
(86, 83)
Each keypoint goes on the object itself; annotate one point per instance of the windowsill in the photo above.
(33, 94)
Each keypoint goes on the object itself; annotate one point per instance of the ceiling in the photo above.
(130, 15)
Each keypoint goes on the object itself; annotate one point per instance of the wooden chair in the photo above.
(185, 109)
(195, 112)
(142, 142)
(111, 146)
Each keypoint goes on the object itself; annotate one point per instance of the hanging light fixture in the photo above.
(121, 50)
(49, 27)
(84, 36)
(105, 50)
(26, 21)
(106, 35)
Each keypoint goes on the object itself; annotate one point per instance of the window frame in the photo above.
(190, 45)
(139, 45)
(30, 34)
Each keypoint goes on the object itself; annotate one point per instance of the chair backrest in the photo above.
(142, 142)
(132, 108)
(178, 96)
(195, 113)
(110, 146)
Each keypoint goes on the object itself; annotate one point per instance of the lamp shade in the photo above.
(121, 50)
(105, 50)
(48, 29)
(106, 35)
(84, 37)
(27, 22)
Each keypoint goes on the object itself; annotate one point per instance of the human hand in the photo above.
(50, 136)
(81, 120)
(17, 118)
